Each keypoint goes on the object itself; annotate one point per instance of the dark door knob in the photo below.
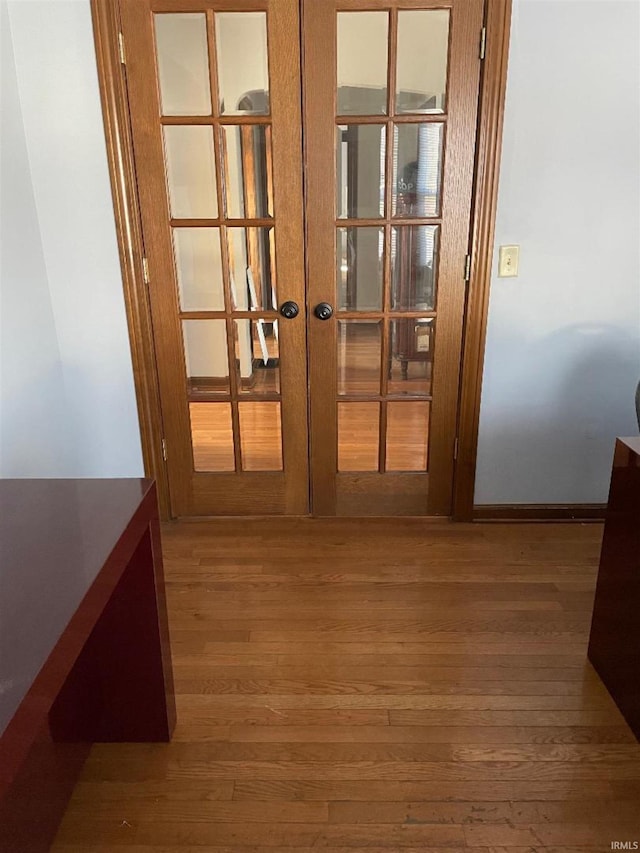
(289, 310)
(323, 311)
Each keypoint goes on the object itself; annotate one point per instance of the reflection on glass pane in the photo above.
(248, 174)
(183, 64)
(191, 172)
(414, 250)
(257, 356)
(260, 436)
(199, 268)
(358, 436)
(212, 436)
(423, 47)
(360, 169)
(359, 348)
(252, 269)
(362, 63)
(411, 363)
(359, 259)
(417, 161)
(206, 357)
(243, 67)
(407, 436)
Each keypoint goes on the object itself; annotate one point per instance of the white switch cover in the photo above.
(509, 260)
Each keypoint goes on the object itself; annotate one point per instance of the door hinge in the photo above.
(456, 445)
(164, 449)
(145, 270)
(483, 42)
(123, 58)
(467, 268)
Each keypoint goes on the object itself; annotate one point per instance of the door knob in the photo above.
(289, 310)
(323, 311)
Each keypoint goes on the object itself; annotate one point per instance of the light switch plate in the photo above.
(509, 261)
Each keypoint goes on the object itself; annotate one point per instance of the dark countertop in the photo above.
(55, 536)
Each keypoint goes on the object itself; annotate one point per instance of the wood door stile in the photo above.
(319, 109)
(287, 185)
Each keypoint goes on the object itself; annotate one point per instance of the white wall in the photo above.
(33, 397)
(563, 340)
(62, 260)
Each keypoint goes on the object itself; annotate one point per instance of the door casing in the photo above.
(112, 80)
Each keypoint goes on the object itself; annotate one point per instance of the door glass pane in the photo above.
(183, 64)
(407, 436)
(413, 269)
(261, 436)
(360, 256)
(423, 47)
(362, 63)
(248, 174)
(251, 269)
(359, 354)
(206, 357)
(212, 436)
(243, 67)
(358, 436)
(199, 268)
(417, 162)
(191, 171)
(360, 170)
(411, 362)
(257, 356)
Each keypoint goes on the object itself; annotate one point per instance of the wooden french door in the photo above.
(389, 90)
(390, 125)
(214, 95)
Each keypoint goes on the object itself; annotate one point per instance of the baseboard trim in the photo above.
(539, 512)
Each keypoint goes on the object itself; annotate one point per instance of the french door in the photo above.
(390, 120)
(214, 97)
(305, 363)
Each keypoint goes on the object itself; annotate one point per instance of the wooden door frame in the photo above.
(122, 173)
(113, 93)
(493, 86)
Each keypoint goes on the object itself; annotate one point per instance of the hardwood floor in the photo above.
(358, 432)
(260, 436)
(373, 685)
(359, 373)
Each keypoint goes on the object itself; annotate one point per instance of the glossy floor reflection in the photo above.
(359, 375)
(260, 436)
(348, 685)
(358, 436)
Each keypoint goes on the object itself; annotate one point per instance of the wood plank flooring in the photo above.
(359, 373)
(373, 685)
